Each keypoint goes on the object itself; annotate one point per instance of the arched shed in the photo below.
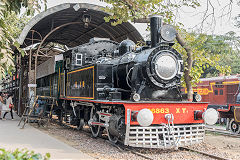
(69, 19)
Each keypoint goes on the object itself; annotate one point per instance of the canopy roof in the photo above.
(66, 20)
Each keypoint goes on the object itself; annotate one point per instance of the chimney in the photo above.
(155, 25)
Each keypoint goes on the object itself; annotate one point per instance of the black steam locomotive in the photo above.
(130, 93)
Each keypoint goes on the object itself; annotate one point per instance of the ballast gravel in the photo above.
(100, 148)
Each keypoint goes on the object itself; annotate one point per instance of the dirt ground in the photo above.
(226, 144)
(223, 146)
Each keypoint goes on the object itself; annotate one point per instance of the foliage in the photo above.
(16, 5)
(10, 28)
(237, 20)
(233, 60)
(226, 47)
(205, 54)
(125, 10)
(230, 53)
(23, 154)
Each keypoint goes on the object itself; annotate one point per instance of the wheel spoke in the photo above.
(95, 129)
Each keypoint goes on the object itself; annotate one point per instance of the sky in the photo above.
(189, 17)
(224, 20)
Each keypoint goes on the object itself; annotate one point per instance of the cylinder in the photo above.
(155, 25)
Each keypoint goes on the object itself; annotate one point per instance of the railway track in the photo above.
(122, 148)
(202, 153)
(221, 132)
(136, 151)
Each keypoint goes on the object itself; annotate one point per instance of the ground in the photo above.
(223, 146)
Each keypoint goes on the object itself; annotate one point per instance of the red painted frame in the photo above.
(183, 112)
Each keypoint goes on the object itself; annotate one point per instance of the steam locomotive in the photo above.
(132, 95)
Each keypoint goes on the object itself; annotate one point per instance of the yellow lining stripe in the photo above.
(81, 69)
(67, 86)
(59, 76)
(235, 114)
(211, 91)
(81, 97)
(231, 82)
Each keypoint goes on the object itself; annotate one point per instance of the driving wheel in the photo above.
(234, 126)
(111, 138)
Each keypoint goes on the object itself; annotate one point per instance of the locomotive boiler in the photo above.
(131, 94)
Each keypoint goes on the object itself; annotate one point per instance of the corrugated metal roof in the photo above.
(75, 34)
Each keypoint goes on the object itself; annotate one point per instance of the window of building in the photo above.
(221, 92)
(216, 92)
(78, 59)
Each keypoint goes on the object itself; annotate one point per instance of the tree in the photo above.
(16, 5)
(237, 20)
(207, 52)
(227, 48)
(125, 10)
(11, 25)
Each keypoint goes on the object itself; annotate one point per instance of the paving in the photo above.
(12, 137)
